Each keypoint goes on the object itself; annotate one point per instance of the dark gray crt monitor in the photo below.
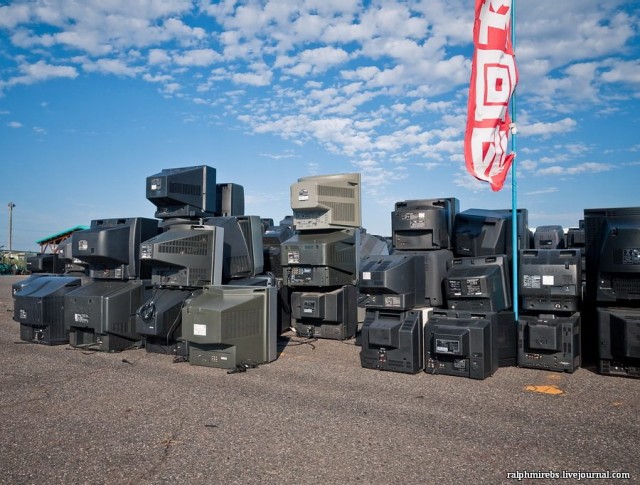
(185, 256)
(188, 192)
(230, 200)
(243, 253)
(229, 325)
(612, 250)
(111, 247)
(549, 237)
(45, 263)
(424, 223)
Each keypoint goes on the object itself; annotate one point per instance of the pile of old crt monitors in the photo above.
(185, 255)
(550, 290)
(321, 260)
(100, 315)
(612, 330)
(476, 332)
(207, 247)
(399, 290)
(234, 323)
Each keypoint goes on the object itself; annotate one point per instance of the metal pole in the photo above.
(514, 182)
(11, 206)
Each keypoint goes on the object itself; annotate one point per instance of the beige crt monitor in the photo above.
(326, 202)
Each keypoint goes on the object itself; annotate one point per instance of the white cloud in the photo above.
(197, 58)
(15, 124)
(159, 56)
(171, 88)
(280, 156)
(253, 78)
(623, 72)
(41, 71)
(159, 78)
(12, 15)
(112, 66)
(323, 58)
(547, 129)
(548, 190)
(591, 167)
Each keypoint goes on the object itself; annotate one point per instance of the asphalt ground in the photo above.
(312, 416)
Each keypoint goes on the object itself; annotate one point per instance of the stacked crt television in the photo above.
(550, 289)
(392, 288)
(101, 315)
(321, 260)
(612, 247)
(183, 259)
(478, 311)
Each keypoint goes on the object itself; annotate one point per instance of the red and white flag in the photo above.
(493, 79)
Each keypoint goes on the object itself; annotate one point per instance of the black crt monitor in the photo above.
(392, 341)
(423, 224)
(550, 280)
(230, 200)
(549, 342)
(372, 245)
(619, 341)
(19, 285)
(612, 251)
(185, 256)
(480, 284)
(393, 282)
(39, 309)
(186, 192)
(524, 239)
(575, 237)
(549, 237)
(102, 315)
(111, 247)
(267, 223)
(322, 258)
(243, 254)
(460, 345)
(229, 326)
(484, 232)
(327, 202)
(436, 264)
(159, 320)
(272, 240)
(329, 314)
(72, 265)
(480, 232)
(45, 263)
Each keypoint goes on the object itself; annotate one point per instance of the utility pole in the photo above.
(11, 206)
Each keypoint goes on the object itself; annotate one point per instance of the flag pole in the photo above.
(514, 182)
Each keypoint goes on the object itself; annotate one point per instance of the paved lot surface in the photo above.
(312, 416)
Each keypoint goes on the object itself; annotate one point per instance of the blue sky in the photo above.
(97, 95)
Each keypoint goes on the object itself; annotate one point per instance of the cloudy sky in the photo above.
(96, 95)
